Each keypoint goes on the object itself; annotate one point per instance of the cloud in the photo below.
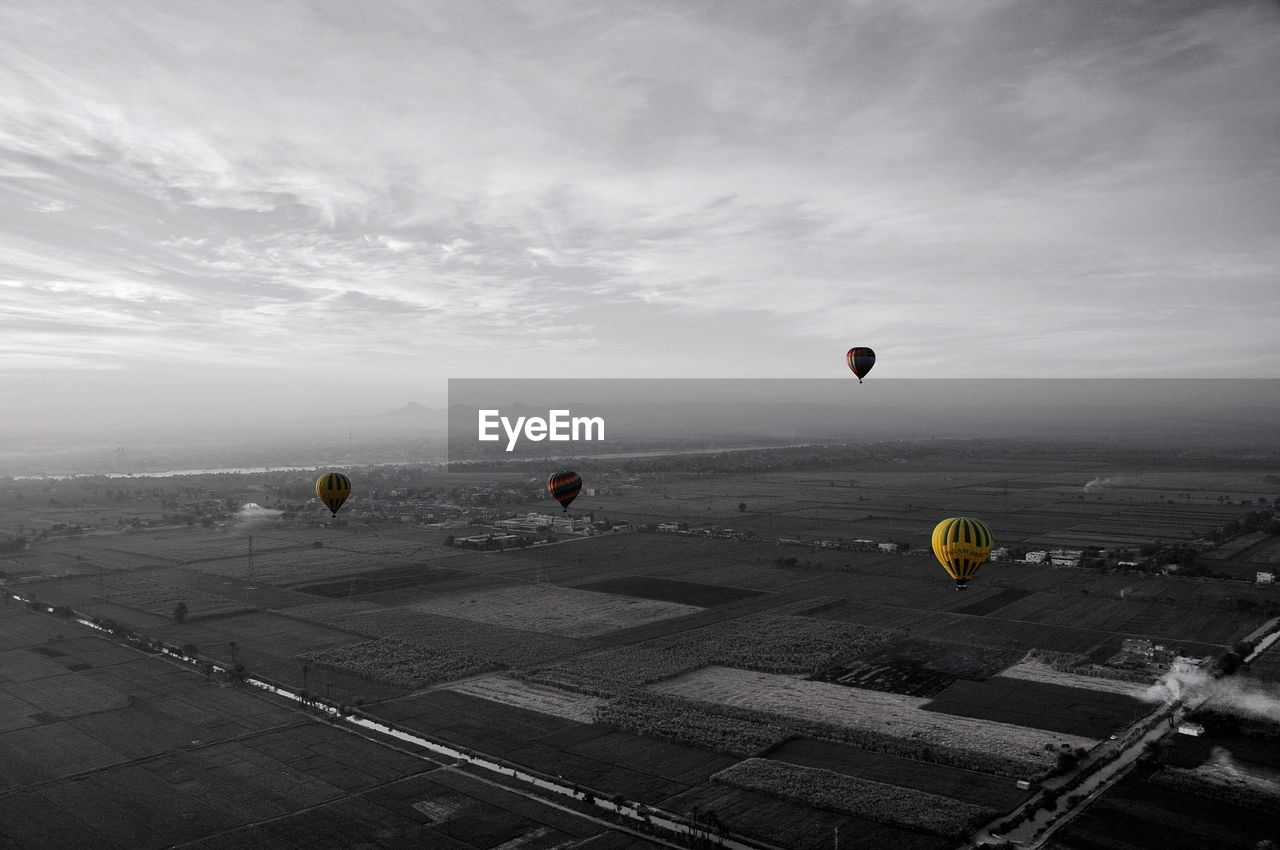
(446, 184)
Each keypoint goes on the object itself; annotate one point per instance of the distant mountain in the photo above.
(413, 409)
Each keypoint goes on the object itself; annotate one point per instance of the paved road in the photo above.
(1099, 771)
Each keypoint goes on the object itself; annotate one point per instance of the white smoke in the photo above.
(1235, 695)
(252, 515)
(1099, 484)
(1247, 698)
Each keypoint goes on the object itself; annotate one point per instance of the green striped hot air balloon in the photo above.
(962, 544)
(333, 488)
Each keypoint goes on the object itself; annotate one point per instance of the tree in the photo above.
(180, 611)
(742, 507)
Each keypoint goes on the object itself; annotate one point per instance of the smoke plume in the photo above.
(1242, 697)
(1099, 484)
(251, 515)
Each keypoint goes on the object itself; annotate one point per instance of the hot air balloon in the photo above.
(564, 487)
(961, 545)
(861, 359)
(333, 488)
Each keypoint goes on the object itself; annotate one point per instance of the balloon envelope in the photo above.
(333, 488)
(564, 486)
(860, 360)
(962, 544)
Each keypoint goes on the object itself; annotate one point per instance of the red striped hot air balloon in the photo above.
(564, 487)
(860, 360)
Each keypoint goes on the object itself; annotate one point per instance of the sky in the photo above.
(212, 212)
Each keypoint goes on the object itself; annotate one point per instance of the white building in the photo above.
(888, 547)
(1195, 730)
(1266, 578)
(1035, 557)
(1138, 646)
(1184, 666)
(1065, 557)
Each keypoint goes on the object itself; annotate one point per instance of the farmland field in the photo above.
(376, 581)
(641, 663)
(1091, 713)
(919, 667)
(970, 786)
(394, 662)
(1037, 671)
(553, 610)
(797, 826)
(167, 758)
(667, 590)
(558, 703)
(509, 647)
(1140, 813)
(878, 801)
(858, 708)
(772, 642)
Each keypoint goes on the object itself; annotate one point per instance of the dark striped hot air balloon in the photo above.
(333, 488)
(860, 359)
(962, 544)
(564, 487)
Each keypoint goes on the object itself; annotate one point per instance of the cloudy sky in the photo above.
(210, 207)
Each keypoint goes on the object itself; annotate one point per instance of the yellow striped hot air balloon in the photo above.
(962, 544)
(333, 488)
